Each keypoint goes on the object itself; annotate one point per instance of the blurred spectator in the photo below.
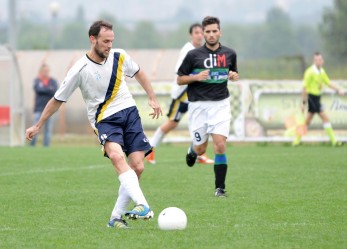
(45, 87)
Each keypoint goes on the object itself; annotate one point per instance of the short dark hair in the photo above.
(43, 65)
(208, 20)
(317, 53)
(193, 26)
(94, 30)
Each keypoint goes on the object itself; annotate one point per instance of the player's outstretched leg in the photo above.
(140, 212)
(122, 203)
(129, 181)
(191, 156)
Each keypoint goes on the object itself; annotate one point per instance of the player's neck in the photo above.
(318, 67)
(94, 57)
(213, 47)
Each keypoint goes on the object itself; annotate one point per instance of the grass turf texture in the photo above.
(279, 197)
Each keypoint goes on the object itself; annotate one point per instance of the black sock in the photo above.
(220, 172)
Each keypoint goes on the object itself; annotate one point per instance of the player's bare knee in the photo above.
(115, 157)
(138, 168)
(139, 172)
(137, 165)
(220, 147)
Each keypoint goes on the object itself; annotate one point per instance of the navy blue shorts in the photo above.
(124, 128)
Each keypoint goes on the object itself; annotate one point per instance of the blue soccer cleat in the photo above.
(118, 224)
(140, 212)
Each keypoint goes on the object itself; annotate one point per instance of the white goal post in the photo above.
(11, 101)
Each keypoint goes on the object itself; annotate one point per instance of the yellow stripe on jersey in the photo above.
(116, 83)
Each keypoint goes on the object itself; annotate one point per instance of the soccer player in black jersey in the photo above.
(206, 71)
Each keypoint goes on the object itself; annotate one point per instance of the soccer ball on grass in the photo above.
(172, 218)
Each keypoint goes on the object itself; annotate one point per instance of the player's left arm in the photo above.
(142, 78)
(337, 88)
(327, 81)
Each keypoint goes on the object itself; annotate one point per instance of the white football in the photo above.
(172, 218)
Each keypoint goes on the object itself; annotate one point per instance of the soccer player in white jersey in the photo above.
(179, 103)
(112, 113)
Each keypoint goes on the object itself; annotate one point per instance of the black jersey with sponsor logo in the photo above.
(219, 62)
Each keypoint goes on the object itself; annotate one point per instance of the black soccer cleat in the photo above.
(220, 192)
(191, 158)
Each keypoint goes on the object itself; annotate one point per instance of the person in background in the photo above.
(315, 78)
(44, 86)
(179, 102)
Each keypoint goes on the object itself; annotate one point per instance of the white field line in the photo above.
(54, 170)
(274, 225)
(6, 228)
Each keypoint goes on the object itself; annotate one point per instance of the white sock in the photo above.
(327, 125)
(157, 137)
(130, 183)
(122, 203)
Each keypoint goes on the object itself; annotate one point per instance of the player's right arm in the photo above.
(185, 76)
(52, 106)
(188, 79)
(70, 83)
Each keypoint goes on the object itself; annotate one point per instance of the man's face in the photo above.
(102, 44)
(197, 36)
(318, 60)
(44, 72)
(212, 34)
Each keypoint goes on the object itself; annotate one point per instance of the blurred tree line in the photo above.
(277, 38)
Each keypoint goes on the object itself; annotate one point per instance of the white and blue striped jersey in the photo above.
(103, 86)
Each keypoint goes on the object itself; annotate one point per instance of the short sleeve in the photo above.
(233, 63)
(307, 77)
(183, 52)
(186, 67)
(326, 79)
(130, 67)
(69, 85)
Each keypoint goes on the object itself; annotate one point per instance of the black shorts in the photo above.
(314, 105)
(125, 129)
(177, 109)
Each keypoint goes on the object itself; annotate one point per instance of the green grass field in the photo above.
(279, 197)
